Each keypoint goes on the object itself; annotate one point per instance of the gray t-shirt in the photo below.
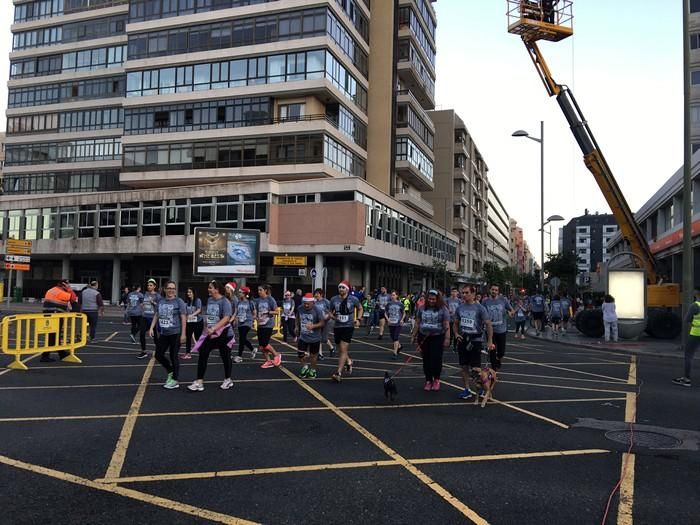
(133, 304)
(382, 300)
(471, 320)
(394, 311)
(313, 315)
(497, 309)
(431, 320)
(217, 309)
(288, 307)
(193, 307)
(150, 301)
(90, 300)
(244, 313)
(266, 311)
(344, 310)
(452, 303)
(555, 310)
(565, 306)
(537, 303)
(325, 305)
(169, 312)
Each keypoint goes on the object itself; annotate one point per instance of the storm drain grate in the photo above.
(644, 439)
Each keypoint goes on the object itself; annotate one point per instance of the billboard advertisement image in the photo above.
(221, 251)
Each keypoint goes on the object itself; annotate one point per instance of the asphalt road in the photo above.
(102, 442)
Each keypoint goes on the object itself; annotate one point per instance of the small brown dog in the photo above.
(483, 381)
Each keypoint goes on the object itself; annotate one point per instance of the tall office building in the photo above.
(498, 228)
(131, 123)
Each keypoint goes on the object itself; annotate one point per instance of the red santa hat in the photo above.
(232, 285)
(344, 284)
(308, 298)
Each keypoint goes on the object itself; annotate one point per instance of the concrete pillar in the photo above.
(424, 283)
(175, 269)
(404, 281)
(367, 276)
(346, 269)
(65, 268)
(19, 279)
(116, 279)
(318, 266)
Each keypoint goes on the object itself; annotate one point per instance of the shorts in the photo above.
(264, 335)
(303, 347)
(538, 316)
(343, 334)
(380, 315)
(556, 320)
(395, 332)
(469, 356)
(566, 318)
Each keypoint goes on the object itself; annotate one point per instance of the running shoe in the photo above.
(428, 386)
(332, 351)
(133, 339)
(466, 394)
(395, 356)
(380, 337)
(196, 387)
(311, 374)
(400, 348)
(277, 361)
(335, 376)
(304, 372)
(436, 385)
(187, 356)
(237, 359)
(348, 367)
(682, 381)
(321, 356)
(267, 364)
(171, 383)
(142, 355)
(253, 353)
(228, 383)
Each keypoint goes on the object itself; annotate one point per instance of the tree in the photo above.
(564, 266)
(492, 273)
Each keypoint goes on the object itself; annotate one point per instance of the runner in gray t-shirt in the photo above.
(310, 319)
(383, 299)
(347, 312)
(452, 302)
(170, 317)
(498, 307)
(325, 306)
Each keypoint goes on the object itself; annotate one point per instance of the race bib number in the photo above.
(394, 319)
(148, 308)
(212, 320)
(165, 323)
(468, 324)
(343, 318)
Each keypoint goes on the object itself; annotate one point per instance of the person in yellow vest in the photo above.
(57, 299)
(693, 340)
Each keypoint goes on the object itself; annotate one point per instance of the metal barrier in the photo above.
(39, 333)
(278, 324)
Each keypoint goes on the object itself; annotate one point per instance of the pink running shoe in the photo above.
(428, 386)
(277, 361)
(267, 364)
(436, 385)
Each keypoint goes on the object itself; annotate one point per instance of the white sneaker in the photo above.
(228, 383)
(196, 387)
(254, 353)
(237, 359)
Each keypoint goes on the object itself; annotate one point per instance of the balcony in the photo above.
(405, 96)
(414, 201)
(415, 75)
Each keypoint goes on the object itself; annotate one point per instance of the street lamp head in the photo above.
(555, 218)
(520, 133)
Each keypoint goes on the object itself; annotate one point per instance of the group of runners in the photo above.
(470, 327)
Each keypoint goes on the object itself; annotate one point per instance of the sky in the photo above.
(624, 65)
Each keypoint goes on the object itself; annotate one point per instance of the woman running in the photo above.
(243, 315)
(265, 307)
(289, 320)
(195, 322)
(394, 314)
(148, 308)
(218, 332)
(171, 318)
(432, 333)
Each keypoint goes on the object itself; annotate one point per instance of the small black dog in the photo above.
(390, 390)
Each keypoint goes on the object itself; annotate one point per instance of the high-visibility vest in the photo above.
(57, 295)
(695, 326)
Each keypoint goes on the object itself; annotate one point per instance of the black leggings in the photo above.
(243, 339)
(221, 343)
(289, 328)
(520, 326)
(495, 356)
(145, 327)
(196, 329)
(432, 349)
(135, 323)
(172, 344)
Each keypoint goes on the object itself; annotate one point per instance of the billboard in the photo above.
(222, 251)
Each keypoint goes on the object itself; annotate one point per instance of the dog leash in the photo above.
(410, 358)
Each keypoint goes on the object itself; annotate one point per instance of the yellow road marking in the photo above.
(350, 465)
(294, 409)
(119, 454)
(25, 360)
(518, 409)
(424, 478)
(127, 493)
(111, 336)
(626, 501)
(567, 369)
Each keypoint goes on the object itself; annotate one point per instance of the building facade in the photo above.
(694, 30)
(498, 230)
(587, 236)
(661, 220)
(130, 123)
(461, 190)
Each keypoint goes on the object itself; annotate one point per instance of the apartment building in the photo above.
(587, 236)
(694, 30)
(461, 190)
(131, 123)
(498, 230)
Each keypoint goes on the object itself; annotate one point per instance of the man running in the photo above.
(470, 319)
(452, 302)
(347, 311)
(537, 309)
(310, 321)
(566, 312)
(395, 316)
(498, 306)
(383, 299)
(556, 313)
(325, 306)
(134, 311)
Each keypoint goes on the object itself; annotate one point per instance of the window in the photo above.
(227, 212)
(291, 112)
(67, 91)
(695, 114)
(695, 6)
(695, 77)
(694, 41)
(161, 119)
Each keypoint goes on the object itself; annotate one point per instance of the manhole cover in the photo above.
(643, 439)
